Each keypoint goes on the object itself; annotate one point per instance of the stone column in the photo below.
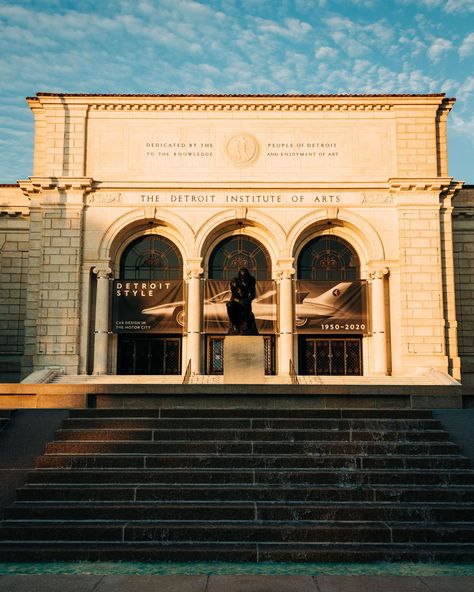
(449, 285)
(193, 316)
(286, 317)
(379, 321)
(86, 327)
(101, 333)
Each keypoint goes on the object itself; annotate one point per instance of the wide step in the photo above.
(252, 511)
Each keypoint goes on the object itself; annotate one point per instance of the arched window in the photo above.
(236, 252)
(329, 258)
(151, 257)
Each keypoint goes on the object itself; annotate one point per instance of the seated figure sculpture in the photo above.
(239, 307)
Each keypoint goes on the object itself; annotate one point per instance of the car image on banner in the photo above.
(215, 309)
(327, 307)
(342, 302)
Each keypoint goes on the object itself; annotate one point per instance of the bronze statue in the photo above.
(239, 307)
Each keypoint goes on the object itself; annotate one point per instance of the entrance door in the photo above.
(333, 356)
(149, 355)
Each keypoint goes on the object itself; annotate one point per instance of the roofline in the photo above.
(220, 96)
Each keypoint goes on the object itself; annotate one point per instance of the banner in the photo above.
(264, 307)
(331, 307)
(151, 306)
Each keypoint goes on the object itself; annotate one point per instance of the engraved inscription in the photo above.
(236, 197)
(179, 149)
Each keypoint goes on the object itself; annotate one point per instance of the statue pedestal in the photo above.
(244, 359)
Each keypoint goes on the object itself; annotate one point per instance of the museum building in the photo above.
(117, 252)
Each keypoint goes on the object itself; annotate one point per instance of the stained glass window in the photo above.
(328, 258)
(236, 252)
(151, 257)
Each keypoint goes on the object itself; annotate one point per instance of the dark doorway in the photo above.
(149, 355)
(330, 356)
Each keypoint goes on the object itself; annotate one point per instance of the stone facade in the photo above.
(14, 266)
(463, 244)
(370, 170)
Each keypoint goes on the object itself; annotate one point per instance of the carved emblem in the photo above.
(242, 148)
(377, 198)
(104, 198)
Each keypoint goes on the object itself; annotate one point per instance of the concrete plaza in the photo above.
(218, 583)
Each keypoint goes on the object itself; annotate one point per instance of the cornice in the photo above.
(239, 95)
(97, 103)
(239, 185)
(34, 185)
(453, 188)
(235, 106)
(438, 184)
(13, 213)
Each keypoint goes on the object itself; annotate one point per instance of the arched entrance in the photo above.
(329, 342)
(225, 260)
(151, 260)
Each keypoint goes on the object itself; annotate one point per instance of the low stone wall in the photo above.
(79, 396)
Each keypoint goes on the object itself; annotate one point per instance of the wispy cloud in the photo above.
(438, 48)
(291, 28)
(449, 6)
(464, 126)
(325, 52)
(467, 46)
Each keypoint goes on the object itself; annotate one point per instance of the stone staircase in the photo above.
(177, 484)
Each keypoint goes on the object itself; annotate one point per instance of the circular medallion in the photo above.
(242, 148)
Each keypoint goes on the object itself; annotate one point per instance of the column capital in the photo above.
(193, 268)
(285, 269)
(284, 274)
(102, 272)
(378, 273)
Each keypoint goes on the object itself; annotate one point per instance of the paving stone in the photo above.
(261, 584)
(48, 583)
(449, 583)
(371, 584)
(172, 583)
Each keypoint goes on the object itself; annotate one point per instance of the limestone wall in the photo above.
(14, 229)
(240, 139)
(281, 169)
(463, 239)
(53, 296)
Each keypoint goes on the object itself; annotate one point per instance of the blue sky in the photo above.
(234, 46)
